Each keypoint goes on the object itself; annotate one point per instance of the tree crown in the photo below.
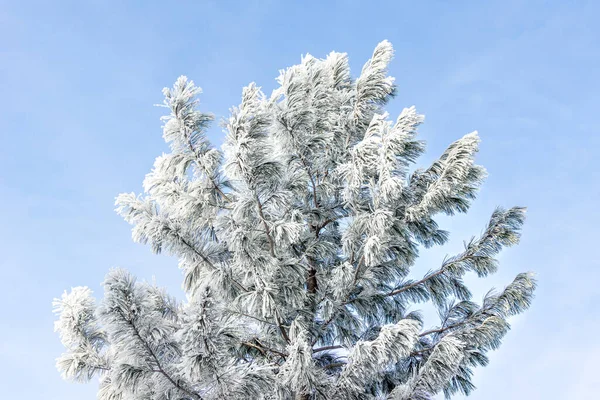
(296, 242)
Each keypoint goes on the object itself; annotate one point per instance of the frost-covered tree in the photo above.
(296, 244)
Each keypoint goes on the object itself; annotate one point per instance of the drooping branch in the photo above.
(175, 382)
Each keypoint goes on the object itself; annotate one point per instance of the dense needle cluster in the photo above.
(296, 242)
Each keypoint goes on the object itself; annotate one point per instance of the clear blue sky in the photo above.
(78, 80)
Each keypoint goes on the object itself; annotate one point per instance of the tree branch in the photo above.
(325, 348)
(262, 348)
(334, 365)
(443, 329)
(207, 261)
(193, 150)
(265, 225)
(417, 283)
(282, 329)
(157, 362)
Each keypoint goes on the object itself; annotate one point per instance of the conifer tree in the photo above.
(296, 243)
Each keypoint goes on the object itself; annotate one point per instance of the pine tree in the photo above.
(296, 243)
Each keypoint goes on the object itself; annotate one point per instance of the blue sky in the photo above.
(79, 78)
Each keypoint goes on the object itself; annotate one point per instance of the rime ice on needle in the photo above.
(296, 244)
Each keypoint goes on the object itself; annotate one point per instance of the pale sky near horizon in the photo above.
(79, 80)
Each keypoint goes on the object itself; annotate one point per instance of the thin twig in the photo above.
(325, 348)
